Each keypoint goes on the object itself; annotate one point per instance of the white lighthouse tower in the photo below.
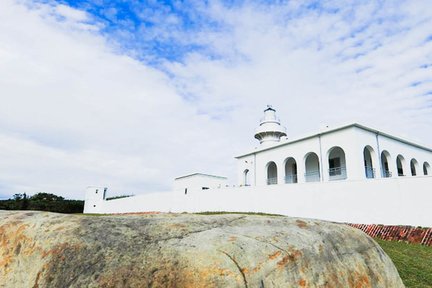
(270, 130)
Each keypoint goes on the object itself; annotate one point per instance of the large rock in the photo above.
(40, 249)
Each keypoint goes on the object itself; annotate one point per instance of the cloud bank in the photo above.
(132, 95)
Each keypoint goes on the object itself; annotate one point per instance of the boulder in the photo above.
(41, 249)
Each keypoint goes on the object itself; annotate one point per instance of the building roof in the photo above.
(200, 174)
(334, 130)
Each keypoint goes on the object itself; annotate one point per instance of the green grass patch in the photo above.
(413, 262)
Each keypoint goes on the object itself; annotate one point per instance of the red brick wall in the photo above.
(398, 233)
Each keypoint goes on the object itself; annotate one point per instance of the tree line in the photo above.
(43, 202)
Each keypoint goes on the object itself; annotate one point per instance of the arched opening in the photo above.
(337, 164)
(246, 177)
(368, 162)
(290, 170)
(400, 163)
(426, 169)
(385, 159)
(414, 167)
(312, 168)
(271, 173)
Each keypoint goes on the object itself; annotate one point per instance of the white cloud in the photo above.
(71, 14)
(316, 67)
(76, 113)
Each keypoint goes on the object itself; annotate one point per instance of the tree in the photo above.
(43, 202)
(24, 202)
(42, 196)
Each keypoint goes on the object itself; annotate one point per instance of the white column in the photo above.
(301, 169)
(376, 163)
(392, 165)
(281, 172)
(407, 167)
(358, 167)
(325, 168)
(354, 163)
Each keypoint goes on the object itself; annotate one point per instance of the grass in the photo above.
(413, 262)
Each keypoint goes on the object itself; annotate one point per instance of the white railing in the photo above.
(370, 172)
(291, 178)
(272, 181)
(275, 119)
(387, 174)
(312, 176)
(337, 173)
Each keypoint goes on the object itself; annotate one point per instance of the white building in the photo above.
(350, 173)
(199, 181)
(351, 152)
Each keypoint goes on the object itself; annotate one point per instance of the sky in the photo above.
(131, 94)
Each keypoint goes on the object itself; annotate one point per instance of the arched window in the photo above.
(368, 154)
(385, 159)
(271, 173)
(246, 177)
(312, 168)
(337, 164)
(426, 169)
(414, 167)
(290, 170)
(400, 163)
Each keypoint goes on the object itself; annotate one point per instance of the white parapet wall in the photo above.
(390, 201)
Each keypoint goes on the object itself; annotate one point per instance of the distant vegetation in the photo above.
(413, 262)
(42, 202)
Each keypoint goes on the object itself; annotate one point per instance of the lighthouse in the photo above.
(270, 130)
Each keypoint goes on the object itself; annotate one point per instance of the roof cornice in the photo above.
(335, 130)
(200, 174)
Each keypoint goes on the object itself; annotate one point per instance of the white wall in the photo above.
(352, 140)
(94, 199)
(299, 150)
(280, 154)
(394, 148)
(398, 201)
(243, 164)
(198, 181)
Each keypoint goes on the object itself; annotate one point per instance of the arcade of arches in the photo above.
(338, 169)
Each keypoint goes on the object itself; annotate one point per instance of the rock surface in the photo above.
(40, 249)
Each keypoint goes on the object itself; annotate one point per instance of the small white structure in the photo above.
(199, 181)
(350, 173)
(94, 199)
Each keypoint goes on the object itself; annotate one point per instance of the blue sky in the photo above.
(130, 94)
(151, 31)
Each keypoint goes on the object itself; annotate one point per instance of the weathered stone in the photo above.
(53, 250)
